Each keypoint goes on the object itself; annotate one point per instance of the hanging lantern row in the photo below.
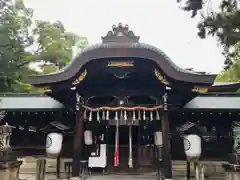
(121, 115)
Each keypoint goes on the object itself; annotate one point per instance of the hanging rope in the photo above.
(122, 108)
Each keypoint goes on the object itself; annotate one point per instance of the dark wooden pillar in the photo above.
(166, 143)
(26, 133)
(78, 139)
(58, 166)
(188, 170)
(138, 145)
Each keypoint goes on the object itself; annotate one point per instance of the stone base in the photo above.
(75, 178)
(232, 171)
(10, 170)
(232, 175)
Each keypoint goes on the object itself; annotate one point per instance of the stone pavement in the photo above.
(112, 177)
(212, 169)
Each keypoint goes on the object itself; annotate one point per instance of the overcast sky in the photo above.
(158, 22)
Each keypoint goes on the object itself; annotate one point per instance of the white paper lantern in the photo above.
(54, 144)
(158, 138)
(88, 137)
(192, 147)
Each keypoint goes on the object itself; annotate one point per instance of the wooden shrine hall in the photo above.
(127, 98)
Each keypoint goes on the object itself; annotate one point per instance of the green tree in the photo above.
(224, 24)
(232, 74)
(15, 38)
(18, 42)
(55, 43)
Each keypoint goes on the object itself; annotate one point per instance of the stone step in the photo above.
(179, 167)
(115, 177)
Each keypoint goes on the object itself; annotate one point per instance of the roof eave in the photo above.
(132, 50)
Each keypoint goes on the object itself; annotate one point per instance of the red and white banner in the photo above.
(116, 157)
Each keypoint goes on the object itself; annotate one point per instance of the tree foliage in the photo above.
(222, 23)
(14, 39)
(54, 43)
(22, 44)
(232, 74)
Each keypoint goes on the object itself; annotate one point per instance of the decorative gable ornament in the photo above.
(120, 33)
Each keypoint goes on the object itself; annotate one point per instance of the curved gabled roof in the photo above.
(120, 42)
